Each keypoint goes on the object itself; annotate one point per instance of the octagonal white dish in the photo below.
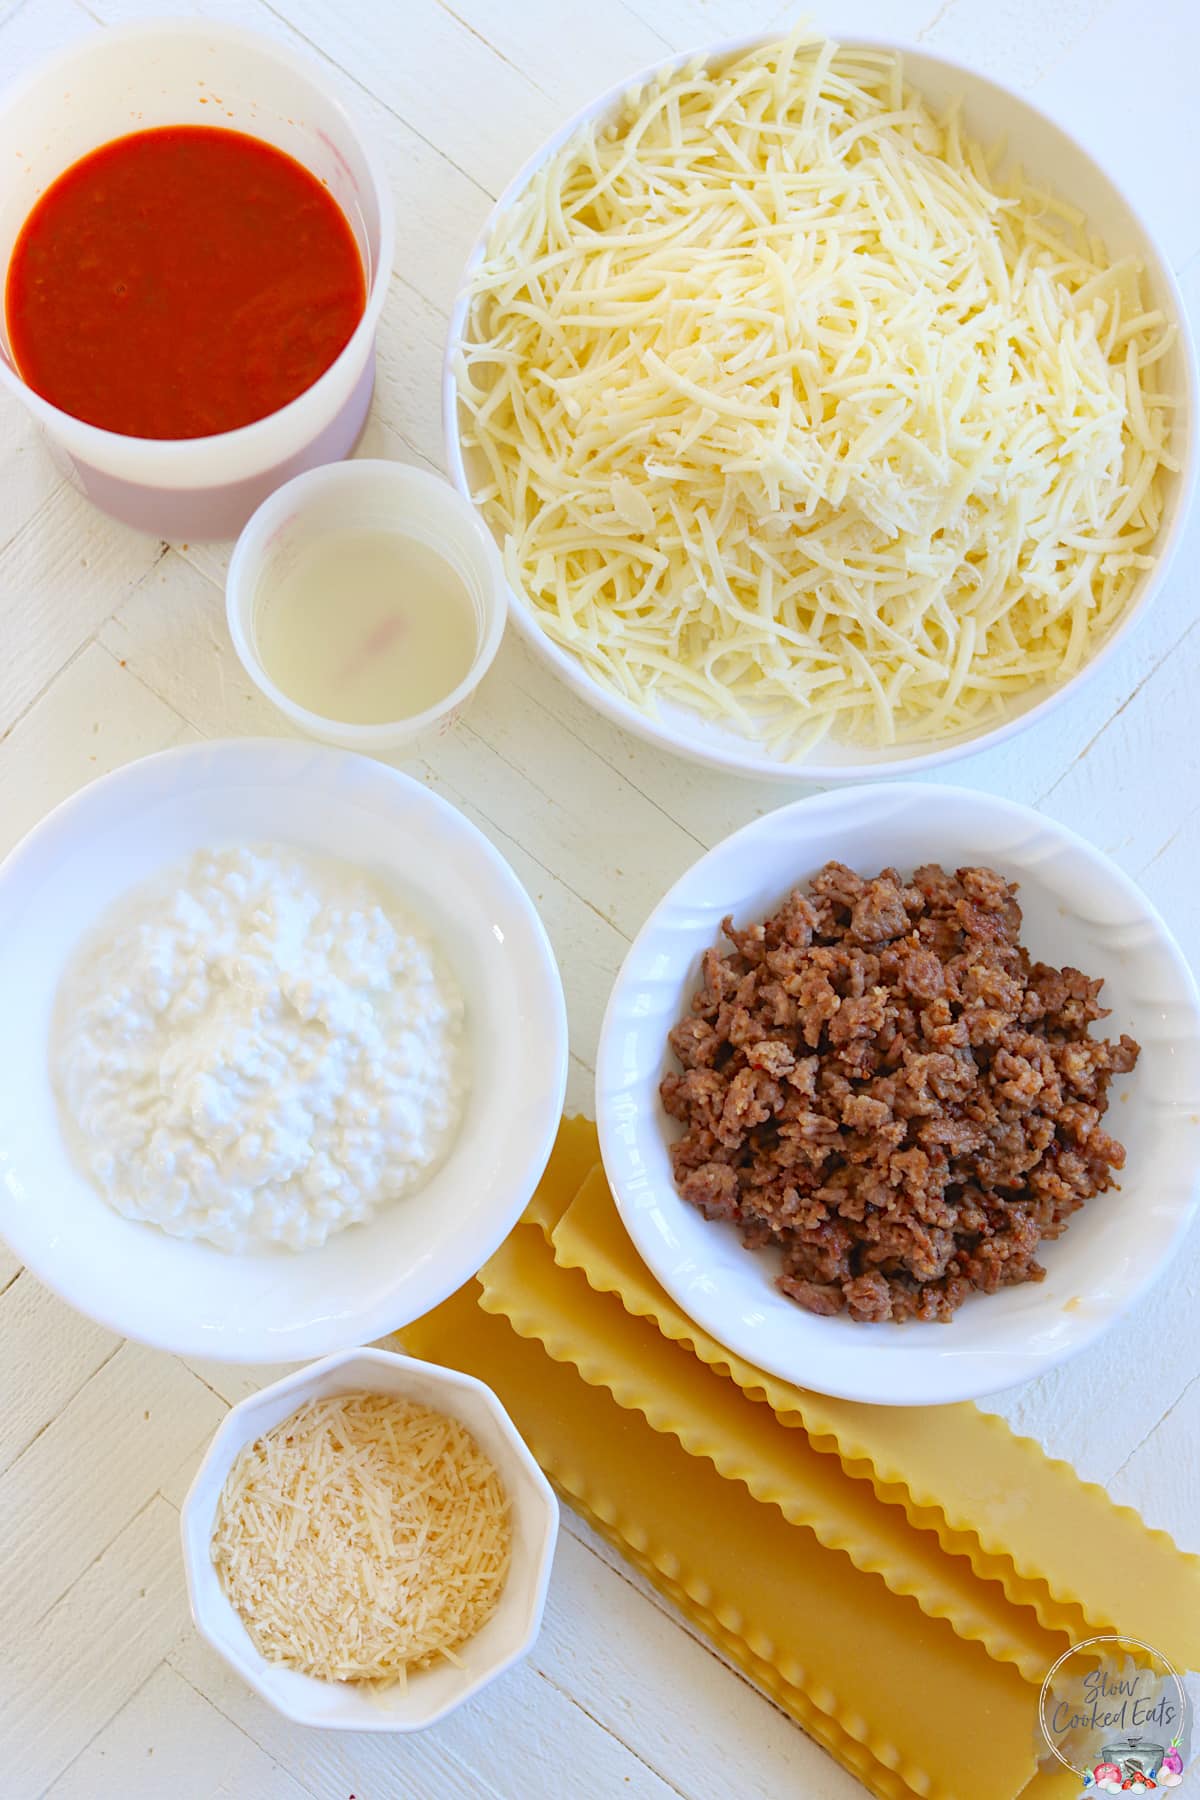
(1049, 155)
(1078, 908)
(369, 1279)
(430, 1693)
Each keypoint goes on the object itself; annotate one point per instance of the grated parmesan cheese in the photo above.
(365, 1536)
(786, 410)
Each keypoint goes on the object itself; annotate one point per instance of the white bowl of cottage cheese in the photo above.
(259, 1047)
(283, 1055)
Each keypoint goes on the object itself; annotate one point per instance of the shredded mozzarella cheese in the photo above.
(785, 409)
(363, 1537)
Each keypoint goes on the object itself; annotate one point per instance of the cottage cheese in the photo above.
(260, 1049)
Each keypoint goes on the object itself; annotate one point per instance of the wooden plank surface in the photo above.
(115, 646)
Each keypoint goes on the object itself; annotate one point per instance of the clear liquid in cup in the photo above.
(366, 627)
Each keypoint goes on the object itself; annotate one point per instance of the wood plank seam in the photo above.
(72, 1396)
(324, 55)
(942, 12)
(135, 675)
(575, 1701)
(101, 1729)
(565, 724)
(54, 1599)
(208, 1700)
(537, 705)
(64, 1603)
(1168, 655)
(495, 50)
(650, 25)
(171, 1660)
(87, 642)
(27, 525)
(571, 731)
(216, 1392)
(1178, 1401)
(1167, 842)
(37, 699)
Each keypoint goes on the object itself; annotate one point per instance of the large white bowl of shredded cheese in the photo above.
(195, 1268)
(769, 492)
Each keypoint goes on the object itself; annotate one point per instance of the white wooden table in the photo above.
(114, 645)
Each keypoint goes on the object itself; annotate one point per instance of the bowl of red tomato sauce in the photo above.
(196, 243)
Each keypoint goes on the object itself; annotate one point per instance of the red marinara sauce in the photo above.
(180, 282)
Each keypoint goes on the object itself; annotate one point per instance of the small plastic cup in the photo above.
(198, 72)
(367, 495)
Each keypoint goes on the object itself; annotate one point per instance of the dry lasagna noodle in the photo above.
(867, 1565)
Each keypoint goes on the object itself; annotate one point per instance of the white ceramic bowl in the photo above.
(366, 495)
(369, 1279)
(1049, 155)
(1078, 908)
(430, 1693)
(165, 72)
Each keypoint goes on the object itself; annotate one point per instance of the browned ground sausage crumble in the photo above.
(879, 1081)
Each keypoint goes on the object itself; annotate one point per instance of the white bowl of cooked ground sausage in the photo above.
(903, 1148)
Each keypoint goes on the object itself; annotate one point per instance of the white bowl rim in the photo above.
(953, 1384)
(753, 760)
(380, 1319)
(200, 1576)
(94, 442)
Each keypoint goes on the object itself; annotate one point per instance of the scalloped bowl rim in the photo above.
(327, 1706)
(1114, 1249)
